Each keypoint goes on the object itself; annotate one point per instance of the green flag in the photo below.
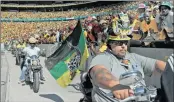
(69, 57)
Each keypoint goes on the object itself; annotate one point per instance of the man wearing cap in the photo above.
(149, 28)
(29, 51)
(141, 11)
(165, 19)
(106, 68)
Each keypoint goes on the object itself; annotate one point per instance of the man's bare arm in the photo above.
(101, 76)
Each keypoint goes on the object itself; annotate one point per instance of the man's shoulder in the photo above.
(102, 55)
(133, 55)
(169, 16)
(101, 59)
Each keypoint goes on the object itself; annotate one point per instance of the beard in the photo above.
(121, 54)
(165, 13)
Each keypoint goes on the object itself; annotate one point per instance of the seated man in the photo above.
(29, 51)
(106, 68)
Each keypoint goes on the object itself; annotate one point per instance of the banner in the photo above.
(69, 57)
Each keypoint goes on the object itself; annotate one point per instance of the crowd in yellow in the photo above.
(11, 30)
(46, 32)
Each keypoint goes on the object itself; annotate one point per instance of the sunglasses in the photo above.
(32, 43)
(120, 43)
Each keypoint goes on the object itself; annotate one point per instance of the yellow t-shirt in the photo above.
(21, 46)
(46, 35)
(153, 25)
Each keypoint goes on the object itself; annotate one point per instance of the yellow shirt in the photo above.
(134, 23)
(46, 35)
(21, 46)
(153, 25)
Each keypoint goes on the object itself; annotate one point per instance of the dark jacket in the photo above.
(167, 81)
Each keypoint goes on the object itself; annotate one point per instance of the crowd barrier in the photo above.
(51, 19)
(43, 6)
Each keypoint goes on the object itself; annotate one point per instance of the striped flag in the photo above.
(69, 58)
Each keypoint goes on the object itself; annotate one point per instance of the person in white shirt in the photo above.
(29, 51)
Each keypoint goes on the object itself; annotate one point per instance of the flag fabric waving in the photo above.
(69, 57)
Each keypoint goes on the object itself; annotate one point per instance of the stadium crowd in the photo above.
(50, 32)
